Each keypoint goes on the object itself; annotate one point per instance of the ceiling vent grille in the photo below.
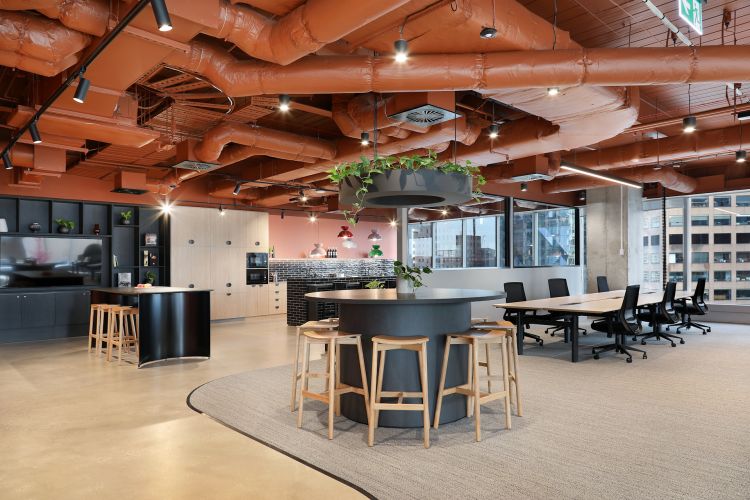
(425, 115)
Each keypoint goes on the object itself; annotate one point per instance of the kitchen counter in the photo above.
(389, 296)
(152, 289)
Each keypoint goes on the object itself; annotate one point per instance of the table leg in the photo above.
(574, 338)
(519, 332)
(655, 327)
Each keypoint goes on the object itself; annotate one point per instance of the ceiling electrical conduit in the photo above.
(302, 31)
(86, 16)
(667, 177)
(528, 69)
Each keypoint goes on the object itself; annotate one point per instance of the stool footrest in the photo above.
(398, 406)
(400, 394)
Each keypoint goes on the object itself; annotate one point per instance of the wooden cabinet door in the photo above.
(191, 267)
(190, 226)
(259, 239)
(252, 301)
(263, 302)
(277, 298)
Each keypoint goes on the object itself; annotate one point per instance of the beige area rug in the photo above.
(676, 425)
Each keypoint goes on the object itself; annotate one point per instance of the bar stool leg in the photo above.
(100, 315)
(425, 401)
(332, 347)
(135, 324)
(92, 333)
(441, 387)
(475, 387)
(372, 420)
(111, 319)
(514, 359)
(381, 376)
(489, 369)
(506, 382)
(305, 363)
(338, 379)
(122, 336)
(363, 374)
(295, 371)
(469, 378)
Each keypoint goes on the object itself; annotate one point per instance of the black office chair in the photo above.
(693, 306)
(514, 292)
(558, 287)
(601, 284)
(624, 324)
(601, 325)
(662, 313)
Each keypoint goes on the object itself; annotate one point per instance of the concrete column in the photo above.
(614, 236)
(402, 235)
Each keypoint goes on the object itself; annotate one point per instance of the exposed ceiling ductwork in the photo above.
(86, 16)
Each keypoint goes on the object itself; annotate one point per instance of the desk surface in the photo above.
(389, 296)
(594, 303)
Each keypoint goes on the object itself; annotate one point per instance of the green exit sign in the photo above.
(691, 11)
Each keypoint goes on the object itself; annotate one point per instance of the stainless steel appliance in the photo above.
(257, 276)
(257, 260)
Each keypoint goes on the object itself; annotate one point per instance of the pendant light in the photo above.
(494, 131)
(374, 235)
(690, 122)
(285, 103)
(34, 131)
(365, 139)
(82, 89)
(237, 188)
(161, 15)
(345, 233)
(349, 244)
(524, 187)
(6, 161)
(741, 156)
(401, 49)
(487, 31)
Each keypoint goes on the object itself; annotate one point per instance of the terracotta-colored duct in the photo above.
(209, 149)
(38, 45)
(303, 31)
(22, 155)
(234, 153)
(86, 16)
(667, 177)
(529, 69)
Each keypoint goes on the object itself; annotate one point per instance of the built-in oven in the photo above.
(257, 276)
(255, 259)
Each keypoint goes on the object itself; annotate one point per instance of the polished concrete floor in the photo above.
(74, 426)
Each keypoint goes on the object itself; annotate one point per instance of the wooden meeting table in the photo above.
(590, 304)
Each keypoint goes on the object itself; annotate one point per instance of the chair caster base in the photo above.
(629, 360)
(596, 356)
(643, 342)
(673, 344)
(682, 341)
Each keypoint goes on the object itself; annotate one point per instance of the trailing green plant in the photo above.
(364, 169)
(126, 214)
(412, 274)
(150, 277)
(65, 223)
(375, 284)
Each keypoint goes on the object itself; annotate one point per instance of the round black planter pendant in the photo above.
(409, 188)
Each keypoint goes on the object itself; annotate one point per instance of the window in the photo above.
(722, 220)
(481, 242)
(655, 222)
(743, 238)
(655, 240)
(699, 202)
(655, 277)
(743, 294)
(543, 235)
(743, 200)
(676, 220)
(655, 258)
(700, 258)
(722, 275)
(675, 276)
(699, 220)
(676, 258)
(675, 239)
(722, 201)
(722, 238)
(420, 244)
(723, 294)
(743, 257)
(742, 220)
(743, 275)
(699, 239)
(697, 275)
(646, 276)
(645, 241)
(722, 257)
(448, 248)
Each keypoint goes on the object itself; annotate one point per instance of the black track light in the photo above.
(494, 131)
(6, 161)
(285, 102)
(488, 32)
(365, 139)
(35, 137)
(82, 90)
(740, 156)
(524, 187)
(237, 188)
(401, 48)
(302, 196)
(282, 215)
(582, 196)
(689, 124)
(161, 15)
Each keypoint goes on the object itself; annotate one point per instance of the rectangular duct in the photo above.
(130, 183)
(533, 168)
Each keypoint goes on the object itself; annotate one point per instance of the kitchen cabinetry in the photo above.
(277, 298)
(72, 308)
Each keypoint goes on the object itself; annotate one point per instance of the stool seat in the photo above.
(482, 334)
(328, 335)
(389, 340)
(493, 324)
(322, 325)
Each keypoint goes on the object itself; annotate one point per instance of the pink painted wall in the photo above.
(294, 236)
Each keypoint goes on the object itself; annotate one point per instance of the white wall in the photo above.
(534, 281)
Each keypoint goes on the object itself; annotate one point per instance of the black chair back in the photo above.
(558, 287)
(700, 290)
(601, 284)
(628, 315)
(667, 303)
(514, 292)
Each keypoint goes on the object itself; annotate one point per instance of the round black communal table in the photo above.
(431, 312)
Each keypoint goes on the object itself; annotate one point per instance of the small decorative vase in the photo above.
(376, 251)
(35, 227)
(125, 222)
(404, 287)
(63, 229)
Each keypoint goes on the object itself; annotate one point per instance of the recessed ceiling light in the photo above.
(488, 32)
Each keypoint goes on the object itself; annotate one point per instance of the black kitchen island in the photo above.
(432, 312)
(173, 322)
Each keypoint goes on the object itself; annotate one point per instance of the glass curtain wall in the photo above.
(543, 235)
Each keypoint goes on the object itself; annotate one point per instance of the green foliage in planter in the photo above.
(126, 215)
(150, 277)
(413, 274)
(374, 284)
(65, 223)
(365, 168)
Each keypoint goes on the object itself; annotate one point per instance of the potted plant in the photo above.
(408, 278)
(375, 285)
(150, 277)
(125, 217)
(64, 225)
(406, 181)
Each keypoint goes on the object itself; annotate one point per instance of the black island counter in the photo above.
(173, 322)
(431, 312)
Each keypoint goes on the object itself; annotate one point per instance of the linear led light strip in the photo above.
(674, 29)
(598, 175)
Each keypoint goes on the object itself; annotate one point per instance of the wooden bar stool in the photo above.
(510, 328)
(324, 325)
(331, 396)
(123, 331)
(97, 332)
(475, 339)
(385, 344)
